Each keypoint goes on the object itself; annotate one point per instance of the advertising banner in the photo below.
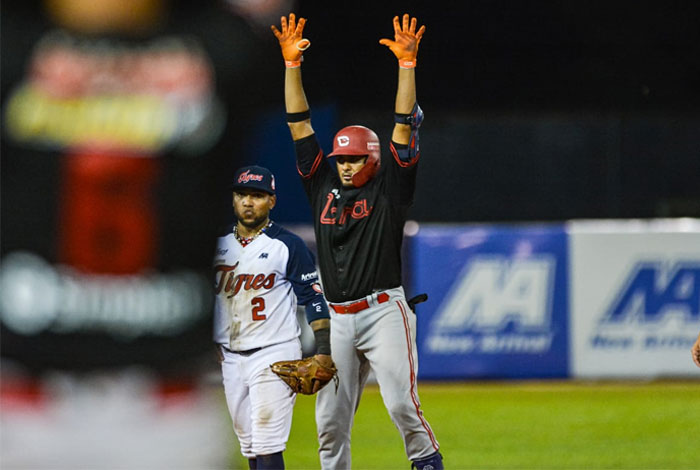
(635, 297)
(497, 302)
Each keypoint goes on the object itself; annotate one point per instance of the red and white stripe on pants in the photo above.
(381, 338)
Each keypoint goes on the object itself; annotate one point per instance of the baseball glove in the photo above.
(306, 376)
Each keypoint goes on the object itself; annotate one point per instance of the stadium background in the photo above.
(529, 104)
(539, 113)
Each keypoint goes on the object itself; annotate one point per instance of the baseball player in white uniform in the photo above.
(261, 272)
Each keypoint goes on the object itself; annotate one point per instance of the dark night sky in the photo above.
(496, 54)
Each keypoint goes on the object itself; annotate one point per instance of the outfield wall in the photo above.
(585, 299)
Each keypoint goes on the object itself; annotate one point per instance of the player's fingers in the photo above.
(275, 31)
(283, 24)
(412, 28)
(420, 32)
(292, 23)
(387, 42)
(405, 22)
(397, 26)
(300, 26)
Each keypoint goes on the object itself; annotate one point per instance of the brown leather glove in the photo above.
(306, 376)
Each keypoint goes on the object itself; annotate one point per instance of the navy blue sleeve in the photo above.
(302, 274)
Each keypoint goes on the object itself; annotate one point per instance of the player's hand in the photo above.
(695, 350)
(290, 38)
(326, 361)
(406, 38)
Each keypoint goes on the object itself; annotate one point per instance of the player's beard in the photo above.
(254, 224)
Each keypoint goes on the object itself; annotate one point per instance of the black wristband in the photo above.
(297, 117)
(323, 341)
(400, 118)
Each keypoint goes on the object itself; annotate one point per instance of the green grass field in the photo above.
(528, 425)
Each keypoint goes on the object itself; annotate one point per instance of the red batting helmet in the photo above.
(358, 140)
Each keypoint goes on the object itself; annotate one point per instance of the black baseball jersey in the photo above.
(359, 231)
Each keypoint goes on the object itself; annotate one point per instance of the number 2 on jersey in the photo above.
(258, 306)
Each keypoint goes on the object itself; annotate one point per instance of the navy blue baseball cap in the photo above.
(254, 177)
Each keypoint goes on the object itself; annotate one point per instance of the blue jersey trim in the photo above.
(302, 273)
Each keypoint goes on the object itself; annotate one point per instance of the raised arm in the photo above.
(405, 48)
(293, 46)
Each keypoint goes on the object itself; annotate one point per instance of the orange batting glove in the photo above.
(406, 40)
(291, 41)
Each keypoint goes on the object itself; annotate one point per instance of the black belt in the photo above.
(247, 352)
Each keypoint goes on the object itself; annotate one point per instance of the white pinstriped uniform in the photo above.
(257, 289)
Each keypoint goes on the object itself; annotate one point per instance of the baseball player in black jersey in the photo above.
(359, 210)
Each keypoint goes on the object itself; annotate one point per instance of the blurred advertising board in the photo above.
(497, 301)
(588, 299)
(635, 297)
